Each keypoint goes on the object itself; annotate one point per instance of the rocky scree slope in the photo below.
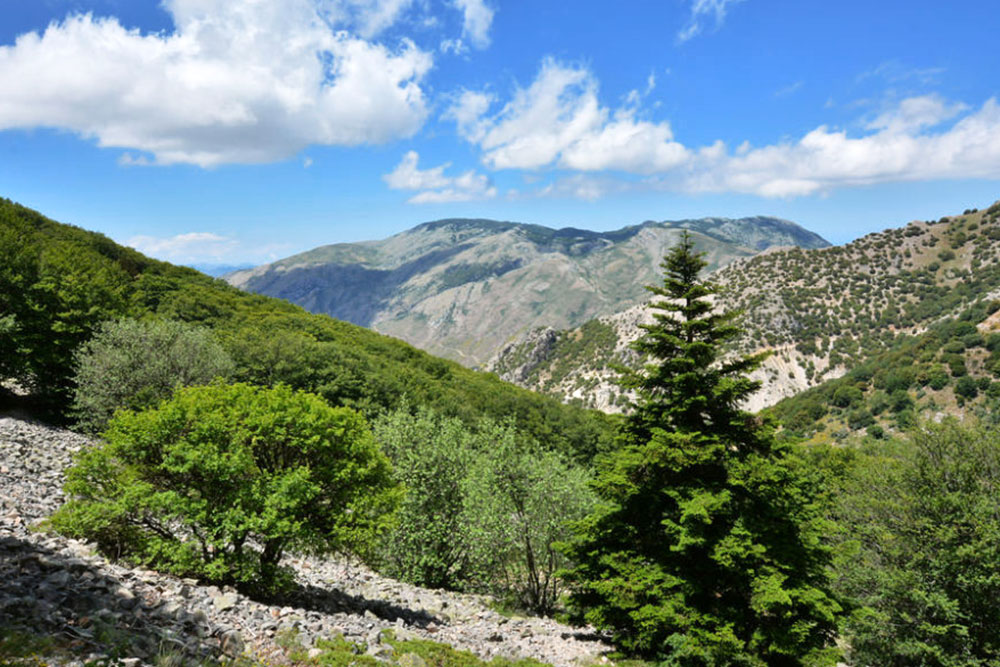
(96, 610)
(821, 311)
(462, 288)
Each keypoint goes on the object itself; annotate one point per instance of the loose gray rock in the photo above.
(51, 584)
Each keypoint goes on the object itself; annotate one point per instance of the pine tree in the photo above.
(706, 548)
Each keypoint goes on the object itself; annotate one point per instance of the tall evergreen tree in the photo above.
(706, 548)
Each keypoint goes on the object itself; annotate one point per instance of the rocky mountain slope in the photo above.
(821, 311)
(61, 603)
(462, 288)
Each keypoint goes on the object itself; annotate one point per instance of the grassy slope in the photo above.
(360, 367)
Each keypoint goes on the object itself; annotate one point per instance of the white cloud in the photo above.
(701, 10)
(901, 146)
(584, 186)
(435, 186)
(894, 71)
(558, 121)
(477, 19)
(790, 89)
(193, 246)
(467, 111)
(453, 46)
(367, 17)
(916, 113)
(238, 81)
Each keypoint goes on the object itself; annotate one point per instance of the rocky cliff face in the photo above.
(462, 288)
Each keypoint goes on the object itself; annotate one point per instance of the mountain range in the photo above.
(463, 288)
(821, 312)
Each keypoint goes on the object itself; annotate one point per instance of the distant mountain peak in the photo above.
(462, 287)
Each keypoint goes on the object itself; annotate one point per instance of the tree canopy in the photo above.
(192, 485)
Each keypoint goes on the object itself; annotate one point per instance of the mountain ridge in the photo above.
(462, 287)
(820, 312)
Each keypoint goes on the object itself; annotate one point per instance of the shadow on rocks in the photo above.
(58, 593)
(332, 601)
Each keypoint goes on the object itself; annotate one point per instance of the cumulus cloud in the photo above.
(238, 81)
(905, 144)
(477, 17)
(193, 246)
(558, 121)
(435, 186)
(701, 10)
(468, 110)
(367, 17)
(916, 113)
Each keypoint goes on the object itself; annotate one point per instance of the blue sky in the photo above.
(236, 131)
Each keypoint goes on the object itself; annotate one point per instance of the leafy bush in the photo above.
(483, 508)
(136, 364)
(431, 457)
(220, 481)
(846, 396)
(519, 502)
(938, 378)
(966, 387)
(921, 556)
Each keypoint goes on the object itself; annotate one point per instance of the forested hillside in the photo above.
(58, 283)
(822, 312)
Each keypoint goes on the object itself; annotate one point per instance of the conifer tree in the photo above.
(706, 548)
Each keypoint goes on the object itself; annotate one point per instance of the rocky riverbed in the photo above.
(60, 587)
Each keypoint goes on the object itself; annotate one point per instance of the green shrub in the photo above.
(938, 378)
(966, 387)
(922, 549)
(431, 457)
(189, 486)
(846, 396)
(135, 364)
(520, 499)
(483, 508)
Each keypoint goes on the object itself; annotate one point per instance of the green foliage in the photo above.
(431, 457)
(966, 387)
(435, 654)
(706, 546)
(921, 549)
(847, 396)
(483, 508)
(58, 283)
(132, 364)
(520, 499)
(55, 288)
(187, 487)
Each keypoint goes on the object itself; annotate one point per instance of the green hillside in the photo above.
(953, 369)
(58, 282)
